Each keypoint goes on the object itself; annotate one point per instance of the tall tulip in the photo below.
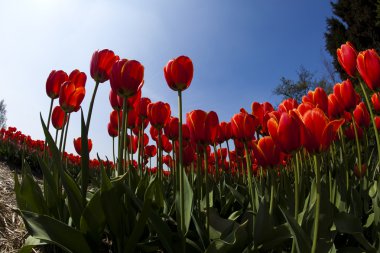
(243, 126)
(101, 64)
(158, 114)
(179, 73)
(286, 132)
(58, 118)
(368, 64)
(78, 145)
(71, 96)
(318, 98)
(346, 94)
(347, 58)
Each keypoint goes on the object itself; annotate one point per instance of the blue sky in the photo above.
(240, 50)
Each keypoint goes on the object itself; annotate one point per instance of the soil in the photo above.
(12, 230)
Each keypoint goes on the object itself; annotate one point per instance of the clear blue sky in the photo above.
(240, 50)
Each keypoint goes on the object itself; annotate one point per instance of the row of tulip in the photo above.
(302, 177)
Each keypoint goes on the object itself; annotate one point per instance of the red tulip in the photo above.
(368, 64)
(142, 107)
(158, 114)
(150, 150)
(261, 113)
(347, 58)
(350, 131)
(78, 78)
(203, 126)
(115, 116)
(171, 129)
(346, 95)
(335, 107)
(288, 105)
(185, 132)
(319, 131)
(179, 73)
(286, 132)
(361, 115)
(154, 133)
(305, 107)
(127, 77)
(101, 64)
(377, 122)
(58, 118)
(360, 173)
(71, 96)
(376, 102)
(54, 82)
(225, 132)
(112, 131)
(243, 126)
(115, 102)
(78, 145)
(266, 152)
(318, 98)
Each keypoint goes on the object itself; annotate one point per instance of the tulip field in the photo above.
(302, 177)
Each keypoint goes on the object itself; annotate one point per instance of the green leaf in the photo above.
(347, 223)
(28, 193)
(30, 243)
(51, 230)
(84, 158)
(263, 225)
(218, 225)
(49, 187)
(303, 243)
(188, 201)
(93, 220)
(236, 241)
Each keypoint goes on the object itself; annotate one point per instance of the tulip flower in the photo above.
(288, 105)
(368, 65)
(319, 130)
(359, 173)
(266, 152)
(114, 101)
(112, 131)
(58, 118)
(318, 98)
(171, 128)
(78, 145)
(142, 107)
(203, 126)
(361, 115)
(71, 96)
(179, 73)
(286, 132)
(261, 113)
(346, 95)
(150, 150)
(78, 78)
(158, 114)
(335, 107)
(347, 58)
(376, 102)
(54, 81)
(243, 126)
(101, 64)
(127, 77)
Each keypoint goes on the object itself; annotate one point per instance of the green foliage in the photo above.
(306, 81)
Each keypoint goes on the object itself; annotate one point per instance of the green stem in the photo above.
(207, 194)
(48, 123)
(271, 179)
(91, 106)
(113, 149)
(249, 165)
(372, 119)
(317, 204)
(67, 129)
(357, 142)
(180, 169)
(296, 197)
(121, 139)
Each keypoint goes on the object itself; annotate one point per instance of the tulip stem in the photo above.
(48, 124)
(357, 142)
(121, 138)
(372, 119)
(180, 170)
(317, 204)
(91, 107)
(207, 194)
(250, 188)
(271, 180)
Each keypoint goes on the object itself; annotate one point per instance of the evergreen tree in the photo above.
(357, 21)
